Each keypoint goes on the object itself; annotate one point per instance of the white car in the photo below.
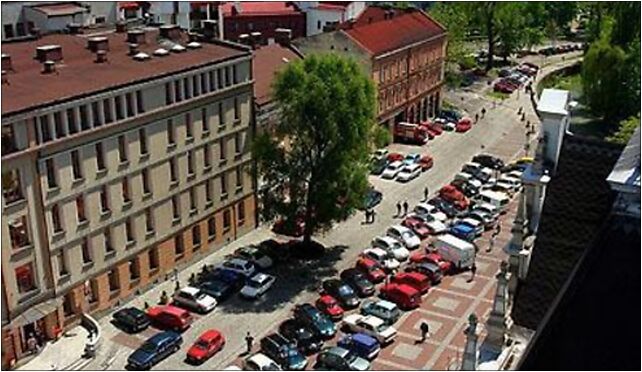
(487, 208)
(404, 235)
(392, 170)
(257, 285)
(409, 172)
(260, 362)
(384, 258)
(380, 154)
(370, 325)
(515, 183)
(448, 126)
(515, 174)
(505, 187)
(429, 209)
(194, 299)
(392, 246)
(239, 265)
(485, 175)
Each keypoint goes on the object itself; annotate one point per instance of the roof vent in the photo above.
(194, 45)
(121, 26)
(136, 36)
(283, 36)
(244, 39)
(6, 62)
(171, 32)
(133, 49)
(178, 48)
(161, 52)
(49, 67)
(98, 43)
(49, 53)
(142, 56)
(101, 56)
(74, 28)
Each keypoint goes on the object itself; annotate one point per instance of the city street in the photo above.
(446, 307)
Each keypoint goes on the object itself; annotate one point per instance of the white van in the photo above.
(498, 200)
(460, 252)
(463, 176)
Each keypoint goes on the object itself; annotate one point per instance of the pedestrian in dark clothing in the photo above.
(367, 215)
(249, 340)
(424, 331)
(405, 207)
(398, 209)
(426, 193)
(498, 229)
(483, 111)
(519, 112)
(523, 116)
(473, 270)
(476, 117)
(373, 213)
(491, 243)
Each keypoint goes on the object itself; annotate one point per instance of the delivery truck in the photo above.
(460, 252)
(410, 133)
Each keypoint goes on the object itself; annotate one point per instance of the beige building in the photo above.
(124, 156)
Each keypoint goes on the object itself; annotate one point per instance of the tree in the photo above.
(454, 17)
(626, 129)
(327, 114)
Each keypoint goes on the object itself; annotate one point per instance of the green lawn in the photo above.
(497, 95)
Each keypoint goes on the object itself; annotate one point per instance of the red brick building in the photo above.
(265, 17)
(404, 53)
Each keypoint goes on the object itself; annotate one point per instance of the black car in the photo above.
(449, 210)
(377, 166)
(219, 289)
(488, 161)
(342, 292)
(304, 338)
(373, 197)
(358, 281)
(465, 187)
(316, 320)
(284, 352)
(131, 319)
(450, 115)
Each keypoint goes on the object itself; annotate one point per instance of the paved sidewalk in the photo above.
(66, 353)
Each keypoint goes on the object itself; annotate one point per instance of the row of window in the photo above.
(198, 84)
(394, 95)
(393, 70)
(21, 29)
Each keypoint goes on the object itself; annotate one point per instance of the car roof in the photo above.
(413, 274)
(372, 320)
(261, 277)
(260, 359)
(413, 166)
(210, 335)
(327, 298)
(377, 251)
(190, 290)
(363, 338)
(386, 304)
(388, 239)
(339, 351)
(395, 164)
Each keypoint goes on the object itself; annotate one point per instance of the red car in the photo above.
(426, 162)
(373, 271)
(395, 156)
(329, 306)
(416, 280)
(417, 226)
(210, 343)
(463, 125)
(170, 317)
(434, 128)
(454, 196)
(405, 296)
(503, 87)
(435, 258)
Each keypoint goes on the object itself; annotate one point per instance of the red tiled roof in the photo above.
(254, 8)
(402, 30)
(78, 74)
(267, 61)
(59, 9)
(334, 5)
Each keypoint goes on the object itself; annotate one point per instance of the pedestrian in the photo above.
(398, 209)
(473, 270)
(175, 274)
(426, 193)
(32, 344)
(405, 207)
(523, 116)
(373, 213)
(498, 229)
(425, 329)
(491, 243)
(519, 112)
(249, 340)
(476, 117)
(367, 215)
(483, 111)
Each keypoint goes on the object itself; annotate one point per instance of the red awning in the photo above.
(128, 5)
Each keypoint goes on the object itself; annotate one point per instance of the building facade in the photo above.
(247, 17)
(114, 174)
(322, 16)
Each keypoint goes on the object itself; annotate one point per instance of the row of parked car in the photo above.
(512, 79)
(403, 168)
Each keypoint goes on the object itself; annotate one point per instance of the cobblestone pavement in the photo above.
(445, 308)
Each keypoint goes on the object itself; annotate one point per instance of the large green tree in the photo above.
(327, 117)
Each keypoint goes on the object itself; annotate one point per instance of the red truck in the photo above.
(410, 133)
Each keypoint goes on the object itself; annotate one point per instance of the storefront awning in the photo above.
(36, 312)
(128, 5)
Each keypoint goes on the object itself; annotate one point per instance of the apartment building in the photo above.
(124, 156)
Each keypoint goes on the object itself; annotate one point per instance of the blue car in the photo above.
(315, 320)
(464, 232)
(361, 344)
(155, 349)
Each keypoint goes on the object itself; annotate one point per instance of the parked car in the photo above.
(169, 317)
(471, 168)
(194, 299)
(206, 346)
(303, 337)
(429, 209)
(276, 250)
(223, 284)
(446, 267)
(380, 154)
(487, 220)
(358, 281)
(463, 231)
(429, 269)
(411, 158)
(361, 344)
(446, 207)
(377, 166)
(392, 170)
(257, 285)
(416, 280)
(477, 226)
(405, 236)
(373, 198)
(382, 257)
(342, 292)
(424, 225)
(386, 310)
(405, 296)
(426, 162)
(330, 307)
(392, 246)
(315, 319)
(371, 268)
(454, 196)
(409, 173)
(132, 319)
(417, 226)
(339, 359)
(463, 125)
(155, 349)
(254, 255)
(284, 352)
(370, 325)
(395, 157)
(241, 266)
(260, 362)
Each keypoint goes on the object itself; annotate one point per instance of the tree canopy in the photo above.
(327, 120)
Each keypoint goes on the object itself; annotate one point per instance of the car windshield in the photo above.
(271, 367)
(406, 235)
(382, 327)
(253, 283)
(200, 296)
(201, 344)
(350, 357)
(405, 170)
(345, 290)
(392, 167)
(148, 347)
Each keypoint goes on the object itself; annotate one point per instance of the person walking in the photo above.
(405, 207)
(373, 213)
(367, 215)
(473, 270)
(483, 111)
(476, 117)
(398, 209)
(249, 340)
(491, 243)
(425, 329)
(426, 193)
(32, 344)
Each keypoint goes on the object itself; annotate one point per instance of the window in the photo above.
(190, 163)
(52, 183)
(239, 178)
(125, 186)
(146, 185)
(86, 253)
(237, 109)
(59, 125)
(107, 240)
(45, 131)
(204, 121)
(92, 292)
(212, 81)
(104, 200)
(75, 165)
(8, 140)
(120, 112)
(142, 141)
(196, 235)
(107, 111)
(129, 104)
(25, 278)
(149, 221)
(219, 78)
(122, 149)
(173, 171)
(186, 92)
(56, 219)
(208, 191)
(240, 207)
(223, 185)
(153, 258)
(203, 83)
(227, 220)
(168, 94)
(192, 200)
(19, 233)
(238, 144)
(8, 31)
(11, 187)
(221, 115)
(207, 157)
(179, 248)
(140, 102)
(189, 133)
(100, 157)
(134, 269)
(68, 305)
(129, 231)
(95, 112)
(177, 91)
(171, 139)
(72, 125)
(176, 208)
(114, 283)
(223, 148)
(62, 265)
(80, 209)
(211, 227)
(227, 76)
(195, 86)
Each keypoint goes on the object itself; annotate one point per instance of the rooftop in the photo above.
(553, 101)
(260, 8)
(59, 9)
(626, 173)
(78, 74)
(267, 61)
(333, 5)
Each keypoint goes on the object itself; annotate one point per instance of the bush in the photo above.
(626, 129)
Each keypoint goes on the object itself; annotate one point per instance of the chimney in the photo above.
(121, 26)
(6, 62)
(170, 32)
(35, 31)
(97, 43)
(101, 56)
(74, 28)
(210, 28)
(49, 53)
(256, 39)
(244, 39)
(136, 37)
(49, 67)
(192, 36)
(133, 49)
(283, 36)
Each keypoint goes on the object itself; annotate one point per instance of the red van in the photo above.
(170, 317)
(405, 296)
(416, 280)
